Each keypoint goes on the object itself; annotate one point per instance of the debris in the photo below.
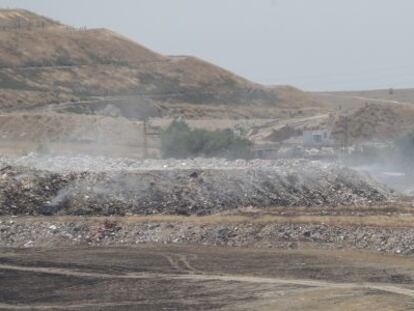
(110, 233)
(113, 187)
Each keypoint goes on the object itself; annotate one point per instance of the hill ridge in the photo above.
(68, 64)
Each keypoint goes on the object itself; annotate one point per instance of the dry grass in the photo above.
(98, 61)
(399, 95)
(378, 209)
(375, 221)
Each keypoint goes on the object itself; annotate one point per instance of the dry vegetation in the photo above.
(66, 90)
(370, 115)
(77, 63)
(374, 122)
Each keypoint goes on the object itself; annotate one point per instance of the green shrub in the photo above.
(180, 141)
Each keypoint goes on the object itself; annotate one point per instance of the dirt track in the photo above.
(197, 278)
(209, 277)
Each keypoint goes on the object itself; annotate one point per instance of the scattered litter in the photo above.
(204, 186)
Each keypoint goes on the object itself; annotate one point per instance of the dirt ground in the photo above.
(153, 277)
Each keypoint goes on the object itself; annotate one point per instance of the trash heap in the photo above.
(184, 190)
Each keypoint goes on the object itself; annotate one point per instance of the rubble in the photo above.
(87, 163)
(99, 186)
(197, 187)
(110, 233)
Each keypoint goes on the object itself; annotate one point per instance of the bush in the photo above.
(180, 141)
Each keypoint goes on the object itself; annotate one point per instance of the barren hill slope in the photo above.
(382, 95)
(23, 18)
(44, 62)
(371, 115)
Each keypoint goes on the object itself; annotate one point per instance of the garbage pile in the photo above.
(183, 190)
(82, 163)
(50, 232)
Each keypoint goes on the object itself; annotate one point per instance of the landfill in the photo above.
(83, 233)
(37, 185)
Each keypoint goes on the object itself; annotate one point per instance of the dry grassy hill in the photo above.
(63, 64)
(356, 99)
(371, 115)
(23, 18)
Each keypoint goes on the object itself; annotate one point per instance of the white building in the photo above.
(317, 138)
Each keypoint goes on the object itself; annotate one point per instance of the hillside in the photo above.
(379, 115)
(384, 95)
(43, 62)
(356, 99)
(16, 18)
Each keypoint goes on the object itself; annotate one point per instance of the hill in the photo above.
(356, 99)
(43, 62)
(382, 95)
(368, 115)
(18, 18)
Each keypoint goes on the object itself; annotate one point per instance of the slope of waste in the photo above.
(177, 187)
(50, 232)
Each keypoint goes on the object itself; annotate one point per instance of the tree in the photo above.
(180, 141)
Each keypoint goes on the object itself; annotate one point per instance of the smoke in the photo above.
(390, 163)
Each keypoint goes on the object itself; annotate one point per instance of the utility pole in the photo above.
(145, 138)
(346, 129)
(147, 131)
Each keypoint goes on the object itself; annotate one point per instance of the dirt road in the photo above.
(209, 277)
(198, 278)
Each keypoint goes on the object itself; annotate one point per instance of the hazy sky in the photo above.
(311, 44)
